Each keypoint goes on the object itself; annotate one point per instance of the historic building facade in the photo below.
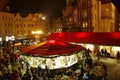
(56, 25)
(89, 16)
(108, 17)
(16, 27)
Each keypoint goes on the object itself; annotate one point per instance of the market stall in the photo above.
(52, 54)
(98, 40)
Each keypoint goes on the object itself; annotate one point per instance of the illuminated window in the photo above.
(119, 28)
(84, 24)
(70, 19)
(119, 24)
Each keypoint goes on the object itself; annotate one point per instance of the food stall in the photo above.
(52, 54)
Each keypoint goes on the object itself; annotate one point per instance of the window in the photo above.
(24, 25)
(17, 31)
(84, 24)
(3, 17)
(119, 28)
(17, 25)
(5, 31)
(24, 31)
(9, 31)
(84, 3)
(84, 14)
(70, 19)
(89, 3)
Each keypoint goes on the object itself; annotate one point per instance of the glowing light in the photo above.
(51, 42)
(82, 35)
(56, 42)
(60, 34)
(116, 35)
(0, 39)
(116, 48)
(37, 32)
(43, 18)
(90, 46)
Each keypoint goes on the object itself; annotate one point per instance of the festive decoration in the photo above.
(52, 54)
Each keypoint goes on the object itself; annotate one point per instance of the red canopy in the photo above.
(50, 48)
(101, 38)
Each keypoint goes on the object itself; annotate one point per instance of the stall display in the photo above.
(52, 62)
(52, 54)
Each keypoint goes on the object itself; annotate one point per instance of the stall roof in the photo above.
(100, 38)
(51, 48)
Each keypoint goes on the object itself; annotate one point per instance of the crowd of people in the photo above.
(11, 68)
(118, 55)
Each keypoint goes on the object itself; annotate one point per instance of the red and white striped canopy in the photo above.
(51, 47)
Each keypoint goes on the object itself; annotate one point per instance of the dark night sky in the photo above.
(117, 4)
(51, 8)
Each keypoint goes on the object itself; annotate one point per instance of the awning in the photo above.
(100, 38)
(51, 48)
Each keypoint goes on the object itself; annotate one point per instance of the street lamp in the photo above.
(43, 18)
